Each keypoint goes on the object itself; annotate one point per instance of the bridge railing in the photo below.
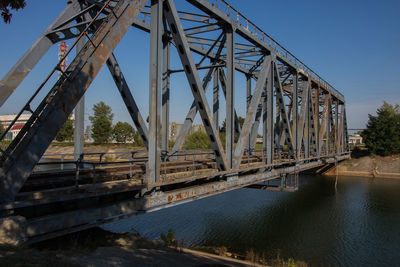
(279, 49)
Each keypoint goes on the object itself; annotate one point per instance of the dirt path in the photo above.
(96, 247)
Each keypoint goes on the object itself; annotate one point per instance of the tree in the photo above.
(122, 132)
(197, 140)
(222, 129)
(66, 132)
(137, 139)
(6, 5)
(2, 129)
(101, 123)
(382, 135)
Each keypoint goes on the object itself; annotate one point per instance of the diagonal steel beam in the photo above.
(53, 111)
(222, 79)
(251, 112)
(165, 94)
(303, 117)
(192, 75)
(216, 98)
(31, 57)
(312, 124)
(324, 120)
(283, 111)
(127, 97)
(184, 131)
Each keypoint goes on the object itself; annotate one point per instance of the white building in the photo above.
(6, 120)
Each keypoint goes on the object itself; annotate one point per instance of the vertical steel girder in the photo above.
(345, 133)
(269, 98)
(295, 108)
(128, 99)
(308, 121)
(24, 153)
(251, 112)
(311, 122)
(26, 150)
(165, 95)
(316, 120)
(79, 122)
(324, 122)
(230, 95)
(192, 75)
(79, 126)
(303, 117)
(336, 126)
(153, 167)
(248, 99)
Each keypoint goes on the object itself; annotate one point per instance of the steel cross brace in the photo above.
(303, 117)
(312, 115)
(194, 109)
(192, 75)
(31, 57)
(324, 121)
(56, 107)
(282, 111)
(251, 112)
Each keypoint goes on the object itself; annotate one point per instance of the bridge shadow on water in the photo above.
(356, 224)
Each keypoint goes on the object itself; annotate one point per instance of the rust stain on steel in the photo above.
(178, 196)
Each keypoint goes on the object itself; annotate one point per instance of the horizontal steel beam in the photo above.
(60, 224)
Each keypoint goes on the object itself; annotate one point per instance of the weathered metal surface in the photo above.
(126, 95)
(55, 109)
(162, 184)
(49, 225)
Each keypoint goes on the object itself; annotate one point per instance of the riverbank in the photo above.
(369, 166)
(97, 247)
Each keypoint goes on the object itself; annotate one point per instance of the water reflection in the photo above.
(355, 225)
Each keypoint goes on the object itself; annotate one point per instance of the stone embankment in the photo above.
(369, 166)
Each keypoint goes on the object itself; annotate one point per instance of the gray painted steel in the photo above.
(283, 83)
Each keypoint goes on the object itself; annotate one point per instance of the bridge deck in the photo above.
(56, 202)
(291, 107)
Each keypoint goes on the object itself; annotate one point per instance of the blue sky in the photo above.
(354, 45)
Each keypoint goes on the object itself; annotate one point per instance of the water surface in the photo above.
(358, 224)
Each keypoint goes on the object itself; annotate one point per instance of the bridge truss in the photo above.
(301, 117)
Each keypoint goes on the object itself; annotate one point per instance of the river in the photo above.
(356, 225)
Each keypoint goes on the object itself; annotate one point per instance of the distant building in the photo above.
(175, 128)
(355, 139)
(6, 120)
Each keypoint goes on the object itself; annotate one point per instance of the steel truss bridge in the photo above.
(301, 117)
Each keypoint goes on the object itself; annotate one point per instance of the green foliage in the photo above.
(169, 239)
(222, 129)
(6, 5)
(382, 135)
(122, 132)
(101, 123)
(138, 141)
(197, 140)
(2, 129)
(66, 133)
